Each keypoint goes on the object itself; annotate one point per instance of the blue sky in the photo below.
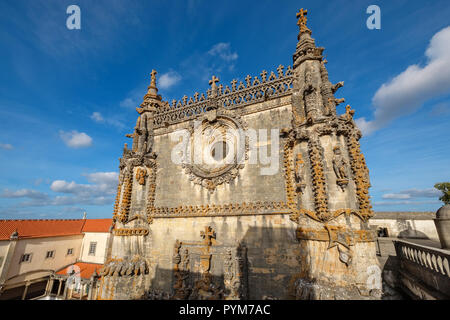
(68, 97)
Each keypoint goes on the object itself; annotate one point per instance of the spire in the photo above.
(306, 46)
(151, 99)
(152, 89)
(301, 15)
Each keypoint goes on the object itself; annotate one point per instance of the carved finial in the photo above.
(349, 111)
(213, 81)
(301, 15)
(213, 85)
(248, 79)
(152, 91)
(233, 84)
(280, 71)
(264, 75)
(153, 75)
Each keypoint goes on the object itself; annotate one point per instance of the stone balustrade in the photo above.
(424, 271)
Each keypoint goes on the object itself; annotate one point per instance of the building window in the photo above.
(92, 248)
(50, 254)
(25, 257)
(70, 251)
(1, 261)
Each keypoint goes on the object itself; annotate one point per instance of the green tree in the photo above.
(444, 187)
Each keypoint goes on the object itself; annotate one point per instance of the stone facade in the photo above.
(226, 230)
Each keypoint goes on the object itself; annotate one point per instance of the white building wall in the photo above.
(101, 238)
(38, 247)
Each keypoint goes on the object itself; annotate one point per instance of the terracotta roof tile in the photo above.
(85, 269)
(51, 228)
(97, 225)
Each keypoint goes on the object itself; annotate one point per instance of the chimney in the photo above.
(84, 215)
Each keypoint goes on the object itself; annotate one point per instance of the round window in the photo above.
(219, 151)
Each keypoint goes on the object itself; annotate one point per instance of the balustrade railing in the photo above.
(432, 259)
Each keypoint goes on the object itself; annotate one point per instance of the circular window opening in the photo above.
(219, 151)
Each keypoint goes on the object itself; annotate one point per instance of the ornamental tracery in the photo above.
(217, 149)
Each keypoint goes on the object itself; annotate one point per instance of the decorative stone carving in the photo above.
(125, 268)
(299, 173)
(236, 97)
(340, 168)
(141, 174)
(217, 150)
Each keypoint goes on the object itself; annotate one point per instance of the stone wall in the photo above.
(418, 225)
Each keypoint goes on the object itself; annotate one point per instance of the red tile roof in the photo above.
(97, 225)
(51, 228)
(85, 270)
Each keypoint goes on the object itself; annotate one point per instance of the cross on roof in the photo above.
(302, 13)
(213, 81)
(248, 79)
(233, 84)
(153, 74)
(280, 70)
(264, 75)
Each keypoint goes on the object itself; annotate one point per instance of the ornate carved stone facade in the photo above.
(225, 231)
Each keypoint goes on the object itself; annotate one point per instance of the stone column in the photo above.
(24, 295)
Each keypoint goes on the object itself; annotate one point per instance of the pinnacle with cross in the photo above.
(213, 81)
(233, 84)
(264, 75)
(213, 85)
(301, 15)
(248, 79)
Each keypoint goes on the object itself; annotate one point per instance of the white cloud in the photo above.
(404, 202)
(75, 139)
(168, 79)
(128, 103)
(409, 90)
(103, 183)
(223, 50)
(109, 178)
(6, 146)
(99, 191)
(97, 117)
(23, 193)
(413, 194)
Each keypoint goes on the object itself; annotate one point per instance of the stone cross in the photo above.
(248, 79)
(153, 75)
(208, 235)
(301, 15)
(233, 84)
(213, 85)
(280, 71)
(264, 75)
(213, 81)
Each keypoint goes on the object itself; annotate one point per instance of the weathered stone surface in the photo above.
(193, 231)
